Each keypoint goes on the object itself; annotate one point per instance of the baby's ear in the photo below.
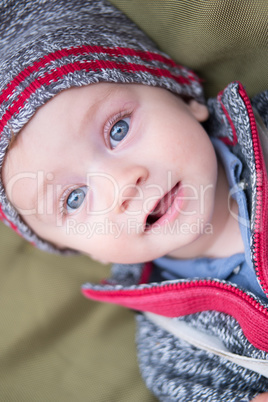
(199, 111)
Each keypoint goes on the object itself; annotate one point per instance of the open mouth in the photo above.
(162, 208)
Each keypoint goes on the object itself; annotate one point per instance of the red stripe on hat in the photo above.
(78, 66)
(4, 217)
(46, 60)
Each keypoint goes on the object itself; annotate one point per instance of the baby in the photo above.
(112, 160)
(121, 154)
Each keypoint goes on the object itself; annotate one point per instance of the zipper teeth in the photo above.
(199, 283)
(259, 182)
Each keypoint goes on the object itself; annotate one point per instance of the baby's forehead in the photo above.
(73, 98)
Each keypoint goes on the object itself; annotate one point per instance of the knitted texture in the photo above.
(174, 370)
(48, 46)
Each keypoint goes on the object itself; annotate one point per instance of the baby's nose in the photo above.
(128, 183)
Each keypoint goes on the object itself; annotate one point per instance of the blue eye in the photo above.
(119, 131)
(76, 198)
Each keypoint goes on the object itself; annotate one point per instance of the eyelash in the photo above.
(63, 199)
(111, 122)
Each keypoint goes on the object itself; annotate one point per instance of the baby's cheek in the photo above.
(261, 398)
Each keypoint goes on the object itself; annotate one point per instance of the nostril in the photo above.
(124, 205)
(139, 181)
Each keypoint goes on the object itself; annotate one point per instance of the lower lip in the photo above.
(172, 212)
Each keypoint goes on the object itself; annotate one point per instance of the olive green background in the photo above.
(222, 40)
(54, 344)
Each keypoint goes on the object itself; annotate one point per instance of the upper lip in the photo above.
(157, 203)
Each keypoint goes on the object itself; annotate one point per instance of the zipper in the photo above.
(167, 286)
(175, 299)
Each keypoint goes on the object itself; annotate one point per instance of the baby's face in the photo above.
(124, 173)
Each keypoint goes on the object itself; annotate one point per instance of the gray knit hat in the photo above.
(48, 46)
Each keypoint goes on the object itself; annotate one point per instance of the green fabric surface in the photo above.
(222, 40)
(56, 345)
